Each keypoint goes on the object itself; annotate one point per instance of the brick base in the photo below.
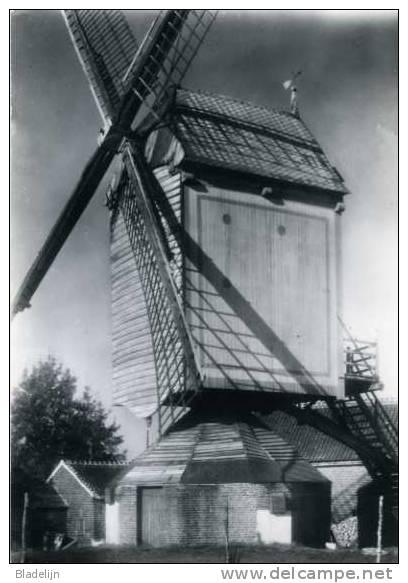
(196, 515)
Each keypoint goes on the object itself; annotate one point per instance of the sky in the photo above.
(348, 98)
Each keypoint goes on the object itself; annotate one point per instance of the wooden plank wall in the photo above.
(273, 325)
(171, 185)
(133, 365)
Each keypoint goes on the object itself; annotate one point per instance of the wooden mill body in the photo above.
(258, 279)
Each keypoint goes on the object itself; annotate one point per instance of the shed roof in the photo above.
(222, 132)
(93, 475)
(206, 448)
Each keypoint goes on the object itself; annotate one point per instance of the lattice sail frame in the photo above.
(158, 66)
(107, 51)
(157, 63)
(132, 94)
(179, 36)
(105, 46)
(178, 376)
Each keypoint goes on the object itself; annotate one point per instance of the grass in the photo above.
(205, 554)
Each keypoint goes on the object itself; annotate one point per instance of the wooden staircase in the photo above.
(362, 423)
(366, 419)
(360, 420)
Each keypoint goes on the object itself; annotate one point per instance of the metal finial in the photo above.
(291, 84)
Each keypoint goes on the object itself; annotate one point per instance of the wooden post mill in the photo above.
(226, 298)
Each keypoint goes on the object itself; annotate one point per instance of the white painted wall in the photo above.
(272, 528)
(112, 523)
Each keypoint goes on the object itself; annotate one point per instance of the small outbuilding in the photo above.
(217, 475)
(46, 511)
(82, 486)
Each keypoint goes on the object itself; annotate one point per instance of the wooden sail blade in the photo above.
(86, 187)
(105, 46)
(164, 58)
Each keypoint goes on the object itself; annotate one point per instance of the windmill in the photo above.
(225, 285)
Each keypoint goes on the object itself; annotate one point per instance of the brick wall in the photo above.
(127, 498)
(81, 508)
(194, 515)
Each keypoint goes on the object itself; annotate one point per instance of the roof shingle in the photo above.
(314, 445)
(96, 475)
(226, 133)
(204, 448)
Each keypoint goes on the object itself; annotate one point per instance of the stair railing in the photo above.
(369, 404)
(363, 367)
(382, 422)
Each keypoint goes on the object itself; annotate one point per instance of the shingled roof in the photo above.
(314, 445)
(208, 449)
(222, 132)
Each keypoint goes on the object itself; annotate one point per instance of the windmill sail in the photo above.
(88, 183)
(145, 75)
(161, 65)
(154, 365)
(106, 47)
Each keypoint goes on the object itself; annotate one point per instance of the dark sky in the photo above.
(348, 98)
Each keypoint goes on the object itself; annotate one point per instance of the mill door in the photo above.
(153, 516)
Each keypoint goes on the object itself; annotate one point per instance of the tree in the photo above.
(50, 423)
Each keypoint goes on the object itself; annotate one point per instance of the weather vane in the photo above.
(291, 84)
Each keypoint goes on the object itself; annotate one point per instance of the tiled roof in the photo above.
(226, 133)
(312, 443)
(96, 475)
(204, 448)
